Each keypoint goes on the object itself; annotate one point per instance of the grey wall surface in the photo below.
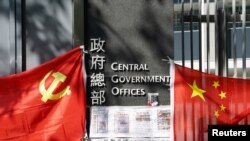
(10, 37)
(135, 31)
(49, 30)
(4, 38)
(33, 32)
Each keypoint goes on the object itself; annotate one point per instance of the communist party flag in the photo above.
(200, 99)
(46, 103)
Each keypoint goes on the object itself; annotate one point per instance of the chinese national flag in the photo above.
(46, 103)
(200, 99)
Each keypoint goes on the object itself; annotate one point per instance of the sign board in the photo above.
(127, 41)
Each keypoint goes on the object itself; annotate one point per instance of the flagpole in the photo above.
(82, 47)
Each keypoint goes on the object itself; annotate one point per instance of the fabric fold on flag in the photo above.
(46, 103)
(199, 99)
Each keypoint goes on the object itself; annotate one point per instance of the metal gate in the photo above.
(221, 25)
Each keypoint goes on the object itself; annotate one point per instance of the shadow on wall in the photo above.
(5, 37)
(99, 26)
(150, 32)
(153, 30)
(49, 29)
(135, 32)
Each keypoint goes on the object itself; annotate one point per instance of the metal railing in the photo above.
(220, 13)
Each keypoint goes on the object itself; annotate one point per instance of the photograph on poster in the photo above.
(153, 99)
(163, 120)
(121, 122)
(100, 121)
(142, 118)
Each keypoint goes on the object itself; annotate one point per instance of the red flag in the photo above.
(200, 99)
(46, 103)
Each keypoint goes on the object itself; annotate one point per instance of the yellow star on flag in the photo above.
(216, 114)
(216, 84)
(222, 108)
(197, 91)
(222, 95)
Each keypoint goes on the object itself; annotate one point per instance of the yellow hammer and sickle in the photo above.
(47, 94)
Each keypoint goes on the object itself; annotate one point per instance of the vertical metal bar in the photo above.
(23, 30)
(224, 53)
(191, 35)
(15, 36)
(192, 59)
(222, 27)
(208, 38)
(202, 109)
(234, 37)
(216, 38)
(244, 73)
(200, 60)
(183, 58)
(182, 33)
(73, 24)
(12, 49)
(18, 34)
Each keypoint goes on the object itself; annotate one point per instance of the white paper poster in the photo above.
(130, 121)
(131, 139)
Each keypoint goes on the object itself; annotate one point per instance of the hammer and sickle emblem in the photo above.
(47, 94)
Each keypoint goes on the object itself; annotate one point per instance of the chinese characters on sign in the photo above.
(126, 79)
(121, 73)
(97, 79)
